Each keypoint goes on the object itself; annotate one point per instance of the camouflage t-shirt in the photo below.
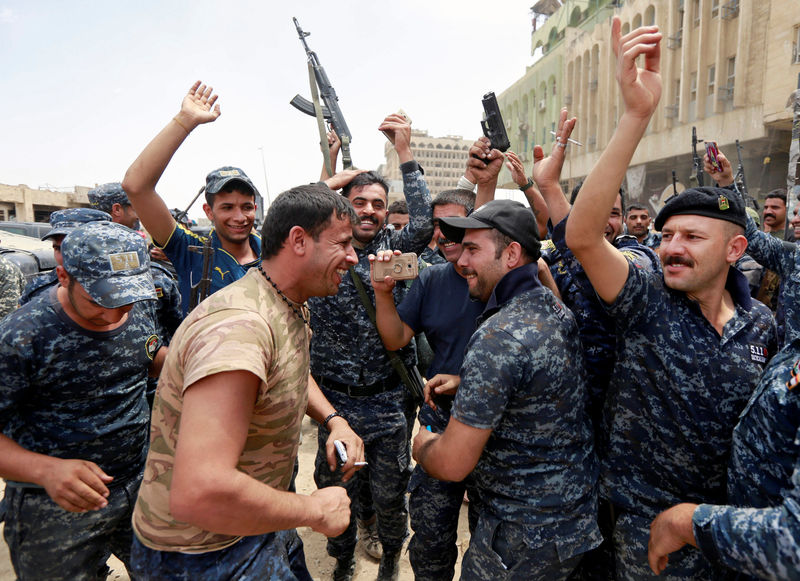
(245, 326)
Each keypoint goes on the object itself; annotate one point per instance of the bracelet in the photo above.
(182, 126)
(526, 186)
(330, 417)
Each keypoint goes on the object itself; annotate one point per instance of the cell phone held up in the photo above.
(399, 267)
(713, 155)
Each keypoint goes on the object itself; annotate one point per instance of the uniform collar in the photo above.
(515, 282)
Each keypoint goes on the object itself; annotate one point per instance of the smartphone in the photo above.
(405, 117)
(713, 152)
(400, 267)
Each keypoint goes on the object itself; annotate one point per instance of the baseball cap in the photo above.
(708, 201)
(218, 178)
(513, 219)
(65, 221)
(105, 196)
(111, 262)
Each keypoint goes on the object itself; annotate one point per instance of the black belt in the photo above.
(382, 386)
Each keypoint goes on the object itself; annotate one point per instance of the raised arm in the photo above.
(535, 199)
(393, 331)
(198, 107)
(484, 165)
(547, 170)
(605, 266)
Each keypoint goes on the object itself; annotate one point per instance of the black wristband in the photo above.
(526, 186)
(329, 418)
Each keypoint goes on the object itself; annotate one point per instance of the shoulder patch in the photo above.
(151, 346)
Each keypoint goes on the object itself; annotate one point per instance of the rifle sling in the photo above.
(394, 358)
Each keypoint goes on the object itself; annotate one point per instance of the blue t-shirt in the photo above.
(70, 392)
(439, 305)
(189, 265)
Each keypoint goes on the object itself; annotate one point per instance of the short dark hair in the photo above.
(231, 186)
(577, 189)
(398, 207)
(463, 198)
(366, 179)
(636, 206)
(502, 241)
(779, 193)
(309, 207)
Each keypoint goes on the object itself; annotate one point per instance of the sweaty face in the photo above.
(694, 252)
(399, 221)
(614, 225)
(451, 250)
(478, 263)
(232, 215)
(370, 206)
(330, 256)
(637, 222)
(774, 213)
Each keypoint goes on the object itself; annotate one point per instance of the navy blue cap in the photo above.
(104, 197)
(65, 221)
(111, 262)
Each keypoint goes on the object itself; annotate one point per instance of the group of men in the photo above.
(601, 407)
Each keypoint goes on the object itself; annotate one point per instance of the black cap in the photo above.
(513, 219)
(707, 201)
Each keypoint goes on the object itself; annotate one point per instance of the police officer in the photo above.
(352, 368)
(691, 341)
(72, 407)
(112, 198)
(518, 421)
(230, 204)
(438, 305)
(63, 222)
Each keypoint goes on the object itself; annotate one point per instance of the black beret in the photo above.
(710, 202)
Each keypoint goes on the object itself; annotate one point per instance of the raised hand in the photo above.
(484, 163)
(199, 106)
(640, 87)
(547, 170)
(724, 177)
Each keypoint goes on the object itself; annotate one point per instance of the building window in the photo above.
(796, 48)
(714, 8)
(712, 73)
(696, 12)
(693, 97)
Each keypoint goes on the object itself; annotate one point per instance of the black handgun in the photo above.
(492, 123)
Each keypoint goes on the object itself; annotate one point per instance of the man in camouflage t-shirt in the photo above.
(73, 412)
(228, 411)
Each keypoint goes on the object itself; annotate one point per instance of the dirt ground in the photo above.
(319, 563)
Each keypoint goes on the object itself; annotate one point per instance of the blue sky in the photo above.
(85, 85)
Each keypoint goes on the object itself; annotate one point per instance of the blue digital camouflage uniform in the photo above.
(38, 285)
(439, 305)
(784, 259)
(677, 390)
(522, 378)
(189, 265)
(652, 240)
(12, 283)
(596, 327)
(346, 350)
(431, 256)
(758, 533)
(72, 393)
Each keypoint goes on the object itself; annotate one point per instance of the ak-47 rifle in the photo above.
(330, 110)
(697, 161)
(200, 288)
(674, 184)
(739, 182)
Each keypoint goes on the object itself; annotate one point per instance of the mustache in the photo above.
(369, 219)
(443, 240)
(681, 260)
(467, 271)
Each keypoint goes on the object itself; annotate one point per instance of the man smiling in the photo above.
(230, 203)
